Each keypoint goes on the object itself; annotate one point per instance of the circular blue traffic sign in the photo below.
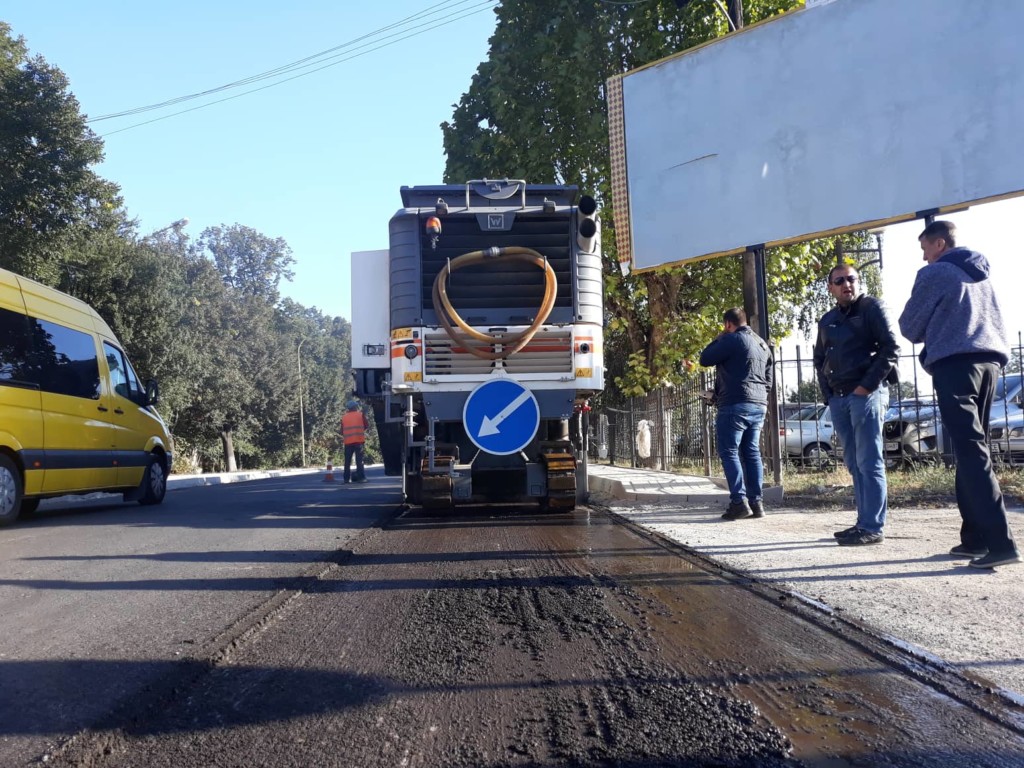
(501, 416)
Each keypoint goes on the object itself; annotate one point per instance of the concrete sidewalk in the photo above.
(652, 485)
(908, 588)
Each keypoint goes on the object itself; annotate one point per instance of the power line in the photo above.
(306, 63)
(284, 69)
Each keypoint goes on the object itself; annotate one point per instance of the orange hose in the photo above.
(446, 312)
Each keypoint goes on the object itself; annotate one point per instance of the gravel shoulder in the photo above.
(907, 588)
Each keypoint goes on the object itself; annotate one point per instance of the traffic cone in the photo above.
(329, 477)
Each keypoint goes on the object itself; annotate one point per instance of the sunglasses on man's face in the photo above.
(851, 279)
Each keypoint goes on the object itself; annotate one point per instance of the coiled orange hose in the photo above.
(511, 344)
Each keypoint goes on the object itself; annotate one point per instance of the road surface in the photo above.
(291, 622)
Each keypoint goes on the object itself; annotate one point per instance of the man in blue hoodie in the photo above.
(953, 310)
(743, 378)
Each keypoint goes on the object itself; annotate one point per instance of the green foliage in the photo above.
(250, 263)
(805, 392)
(47, 187)
(905, 390)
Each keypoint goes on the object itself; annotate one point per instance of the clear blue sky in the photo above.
(317, 161)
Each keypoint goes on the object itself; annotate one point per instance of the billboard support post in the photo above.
(756, 256)
(752, 303)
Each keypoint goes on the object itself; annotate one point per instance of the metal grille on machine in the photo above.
(547, 352)
(500, 293)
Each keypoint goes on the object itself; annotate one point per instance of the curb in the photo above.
(190, 481)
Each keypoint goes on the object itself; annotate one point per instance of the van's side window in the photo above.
(122, 376)
(14, 367)
(64, 360)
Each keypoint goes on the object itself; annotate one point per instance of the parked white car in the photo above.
(807, 434)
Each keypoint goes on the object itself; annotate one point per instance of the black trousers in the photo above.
(354, 449)
(965, 390)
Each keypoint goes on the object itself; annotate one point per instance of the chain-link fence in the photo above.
(672, 429)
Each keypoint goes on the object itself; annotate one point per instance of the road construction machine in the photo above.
(477, 339)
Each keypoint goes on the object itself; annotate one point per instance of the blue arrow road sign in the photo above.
(501, 416)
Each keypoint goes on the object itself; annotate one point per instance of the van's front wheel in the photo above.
(10, 491)
(154, 482)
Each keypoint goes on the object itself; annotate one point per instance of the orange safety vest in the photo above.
(353, 427)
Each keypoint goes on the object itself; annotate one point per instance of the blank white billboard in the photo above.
(847, 115)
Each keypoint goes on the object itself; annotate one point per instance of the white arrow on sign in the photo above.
(490, 426)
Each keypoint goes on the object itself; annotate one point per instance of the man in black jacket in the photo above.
(855, 352)
(744, 377)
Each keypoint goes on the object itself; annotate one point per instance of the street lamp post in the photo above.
(302, 418)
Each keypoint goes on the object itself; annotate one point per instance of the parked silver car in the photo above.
(807, 434)
(1006, 438)
(912, 433)
(913, 428)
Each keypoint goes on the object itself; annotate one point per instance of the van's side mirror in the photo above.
(152, 392)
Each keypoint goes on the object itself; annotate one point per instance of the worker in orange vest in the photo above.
(353, 430)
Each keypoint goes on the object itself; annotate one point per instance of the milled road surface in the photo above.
(508, 638)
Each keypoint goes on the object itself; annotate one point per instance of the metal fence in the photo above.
(667, 429)
(672, 429)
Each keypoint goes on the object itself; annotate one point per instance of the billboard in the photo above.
(847, 115)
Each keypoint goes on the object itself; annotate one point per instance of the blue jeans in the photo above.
(858, 422)
(738, 433)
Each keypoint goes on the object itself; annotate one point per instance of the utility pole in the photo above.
(755, 303)
(302, 416)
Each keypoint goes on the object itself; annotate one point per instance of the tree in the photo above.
(249, 262)
(536, 110)
(805, 392)
(47, 187)
(905, 390)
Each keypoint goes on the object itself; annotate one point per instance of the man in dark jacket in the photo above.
(744, 377)
(953, 309)
(854, 354)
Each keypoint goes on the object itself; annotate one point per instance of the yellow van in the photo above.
(74, 417)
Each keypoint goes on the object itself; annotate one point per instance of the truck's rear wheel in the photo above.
(10, 491)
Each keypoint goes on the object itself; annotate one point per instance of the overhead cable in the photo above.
(316, 62)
